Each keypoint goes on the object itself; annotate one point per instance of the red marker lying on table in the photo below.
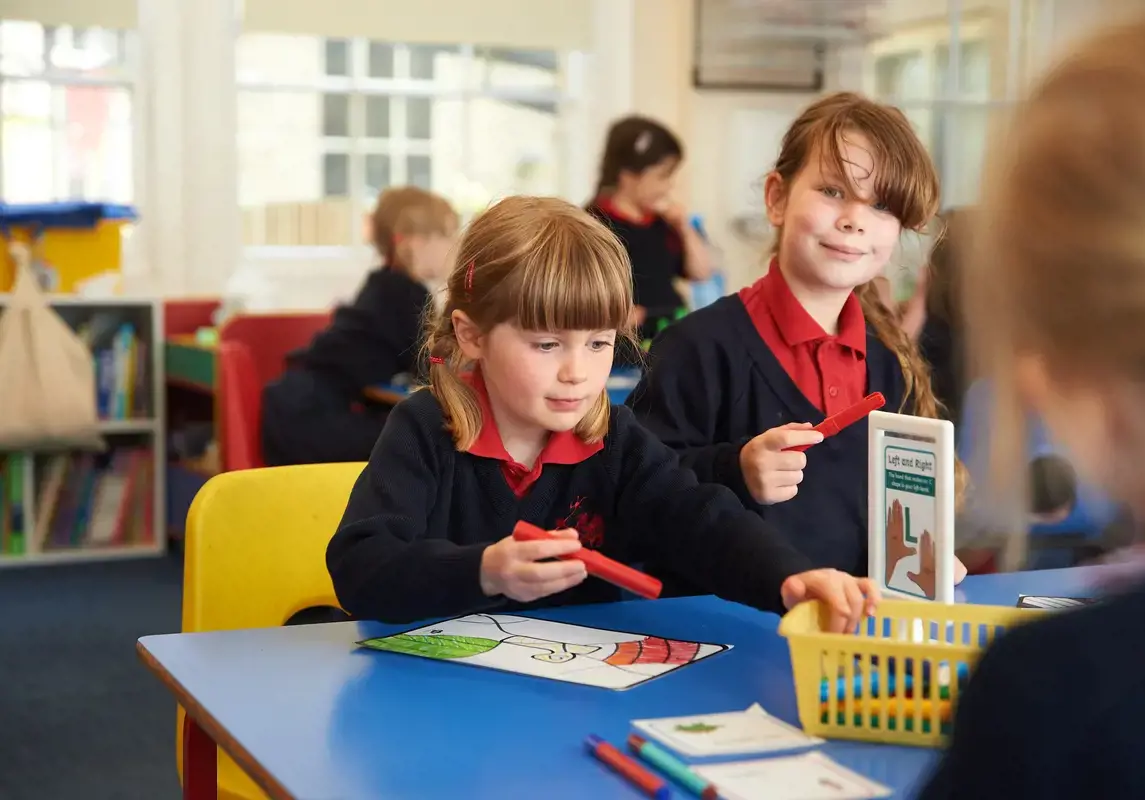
(846, 417)
(597, 564)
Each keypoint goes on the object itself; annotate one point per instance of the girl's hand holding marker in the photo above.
(771, 471)
(521, 570)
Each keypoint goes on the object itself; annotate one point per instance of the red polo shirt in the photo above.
(563, 447)
(831, 371)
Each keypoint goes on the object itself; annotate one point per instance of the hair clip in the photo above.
(436, 360)
(469, 281)
(643, 141)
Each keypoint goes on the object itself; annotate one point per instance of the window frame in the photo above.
(359, 86)
(129, 76)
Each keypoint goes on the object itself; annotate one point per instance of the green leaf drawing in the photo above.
(442, 647)
(697, 727)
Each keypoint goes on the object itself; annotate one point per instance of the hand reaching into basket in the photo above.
(850, 599)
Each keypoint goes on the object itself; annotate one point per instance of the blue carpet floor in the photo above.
(80, 717)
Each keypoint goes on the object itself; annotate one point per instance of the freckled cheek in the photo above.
(807, 220)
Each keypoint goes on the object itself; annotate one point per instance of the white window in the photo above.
(66, 113)
(325, 124)
(954, 81)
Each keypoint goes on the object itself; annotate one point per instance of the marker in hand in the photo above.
(846, 417)
(599, 565)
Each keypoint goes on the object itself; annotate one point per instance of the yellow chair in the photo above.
(255, 556)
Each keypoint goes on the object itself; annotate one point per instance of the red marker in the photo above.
(846, 417)
(597, 564)
(645, 780)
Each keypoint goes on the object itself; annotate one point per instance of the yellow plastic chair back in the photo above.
(255, 555)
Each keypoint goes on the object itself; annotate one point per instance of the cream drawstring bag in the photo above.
(47, 375)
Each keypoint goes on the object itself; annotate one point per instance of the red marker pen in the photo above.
(845, 418)
(643, 779)
(598, 564)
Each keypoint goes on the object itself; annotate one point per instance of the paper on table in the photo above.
(729, 733)
(810, 776)
(1054, 603)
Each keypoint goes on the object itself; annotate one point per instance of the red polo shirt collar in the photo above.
(605, 204)
(798, 327)
(830, 371)
(563, 447)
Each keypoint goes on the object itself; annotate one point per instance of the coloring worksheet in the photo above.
(544, 649)
(811, 776)
(727, 733)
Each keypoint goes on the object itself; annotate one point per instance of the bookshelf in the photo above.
(80, 506)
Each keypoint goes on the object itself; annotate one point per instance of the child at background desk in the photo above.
(633, 198)
(516, 425)
(317, 412)
(734, 384)
(1055, 308)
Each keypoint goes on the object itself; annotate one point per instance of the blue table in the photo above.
(310, 716)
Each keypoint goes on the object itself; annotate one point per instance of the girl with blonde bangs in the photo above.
(1055, 311)
(515, 426)
(734, 385)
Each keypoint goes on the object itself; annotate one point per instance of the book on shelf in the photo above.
(120, 357)
(13, 536)
(91, 500)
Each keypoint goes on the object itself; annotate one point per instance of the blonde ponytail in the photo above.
(458, 401)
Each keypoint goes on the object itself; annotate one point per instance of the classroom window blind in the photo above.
(547, 24)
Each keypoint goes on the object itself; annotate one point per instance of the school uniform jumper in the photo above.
(316, 412)
(714, 383)
(1053, 711)
(940, 349)
(410, 543)
(656, 251)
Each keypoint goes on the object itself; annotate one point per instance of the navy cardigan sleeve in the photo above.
(381, 564)
(699, 529)
(683, 399)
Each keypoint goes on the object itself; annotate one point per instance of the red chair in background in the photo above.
(252, 352)
(184, 316)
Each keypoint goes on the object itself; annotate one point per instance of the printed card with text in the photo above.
(911, 506)
(810, 776)
(725, 734)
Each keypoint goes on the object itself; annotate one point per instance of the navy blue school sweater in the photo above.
(371, 340)
(712, 384)
(1054, 711)
(422, 513)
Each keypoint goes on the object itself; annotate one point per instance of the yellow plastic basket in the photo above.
(922, 652)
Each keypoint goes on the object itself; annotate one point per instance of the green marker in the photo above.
(672, 767)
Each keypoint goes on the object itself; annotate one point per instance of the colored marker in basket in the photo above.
(645, 780)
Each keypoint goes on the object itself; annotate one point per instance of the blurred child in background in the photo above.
(733, 385)
(633, 198)
(317, 411)
(1055, 308)
(516, 425)
(940, 335)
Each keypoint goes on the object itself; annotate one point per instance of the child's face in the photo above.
(429, 257)
(831, 237)
(651, 188)
(540, 381)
